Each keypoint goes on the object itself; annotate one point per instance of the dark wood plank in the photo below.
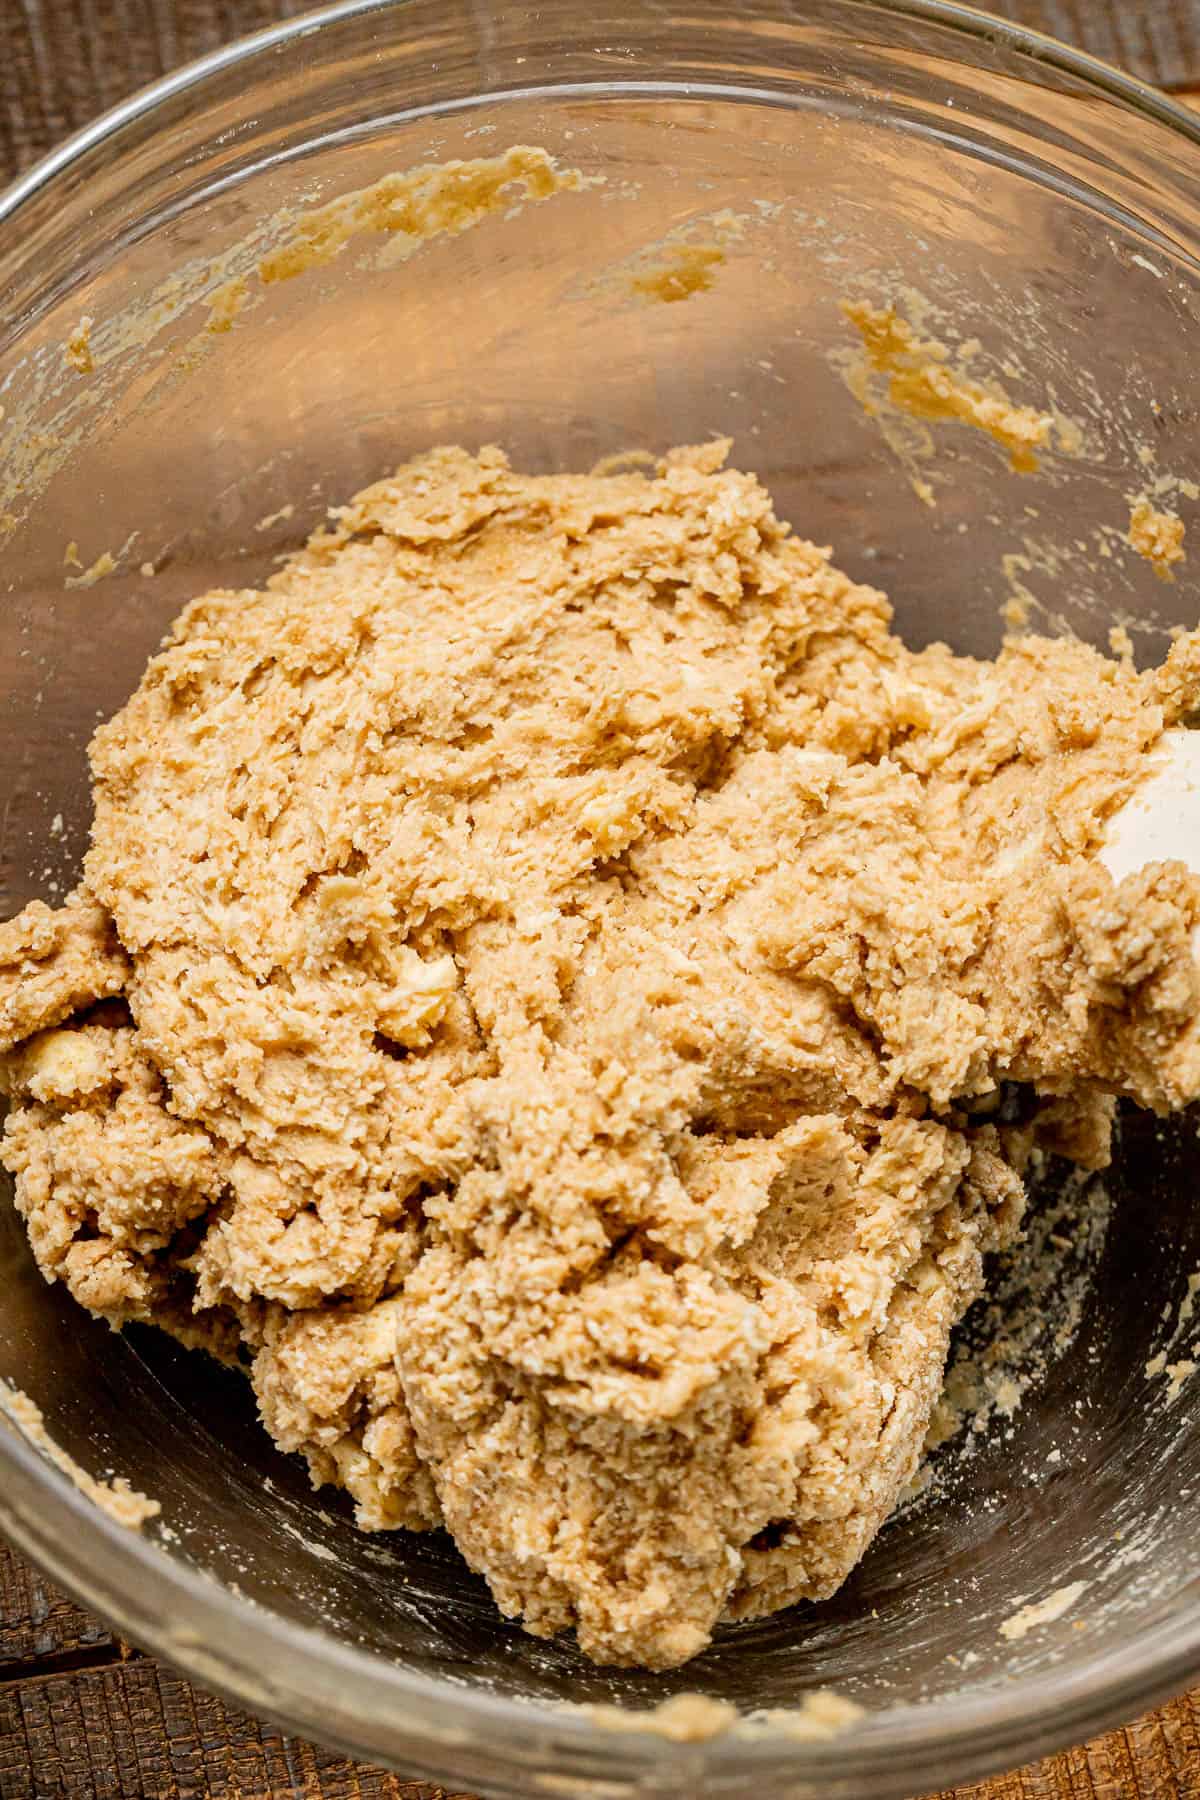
(39, 1626)
(138, 1731)
(1156, 1759)
(63, 61)
(1156, 39)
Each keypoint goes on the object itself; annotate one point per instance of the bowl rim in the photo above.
(229, 1644)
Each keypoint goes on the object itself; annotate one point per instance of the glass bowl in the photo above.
(993, 187)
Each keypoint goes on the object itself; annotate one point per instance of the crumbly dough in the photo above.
(546, 992)
(1157, 534)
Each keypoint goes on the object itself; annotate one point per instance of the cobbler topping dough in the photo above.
(545, 991)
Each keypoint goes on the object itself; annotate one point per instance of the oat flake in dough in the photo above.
(541, 988)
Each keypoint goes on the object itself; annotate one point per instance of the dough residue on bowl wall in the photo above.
(49, 413)
(1042, 1612)
(1028, 1319)
(77, 351)
(923, 379)
(696, 1718)
(114, 1496)
(683, 263)
(413, 208)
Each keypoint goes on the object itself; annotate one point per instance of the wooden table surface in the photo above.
(84, 1716)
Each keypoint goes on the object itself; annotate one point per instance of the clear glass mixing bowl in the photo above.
(1027, 198)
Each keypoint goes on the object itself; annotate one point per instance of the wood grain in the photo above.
(83, 1716)
(40, 1627)
(1156, 39)
(64, 61)
(1156, 1759)
(137, 1731)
